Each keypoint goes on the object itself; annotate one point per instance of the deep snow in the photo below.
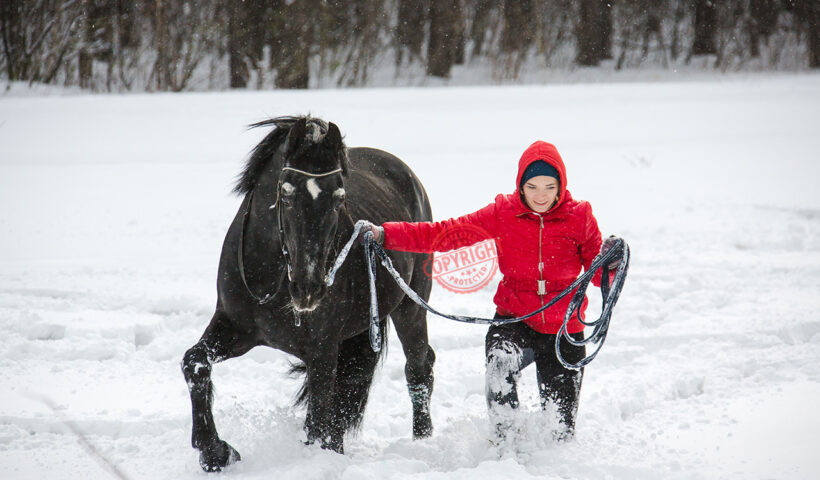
(113, 210)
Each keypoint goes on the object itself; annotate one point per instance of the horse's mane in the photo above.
(264, 151)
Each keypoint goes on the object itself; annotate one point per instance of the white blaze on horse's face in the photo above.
(288, 189)
(313, 188)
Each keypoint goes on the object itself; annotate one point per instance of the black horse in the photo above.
(302, 191)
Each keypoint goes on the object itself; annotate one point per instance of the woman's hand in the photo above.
(378, 233)
(606, 246)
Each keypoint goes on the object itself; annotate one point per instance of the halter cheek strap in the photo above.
(279, 212)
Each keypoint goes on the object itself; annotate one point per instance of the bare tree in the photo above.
(481, 12)
(651, 28)
(98, 39)
(677, 29)
(555, 20)
(161, 44)
(181, 37)
(39, 37)
(705, 17)
(368, 19)
(409, 31)
(445, 26)
(294, 38)
(808, 15)
(593, 32)
(519, 32)
(760, 23)
(237, 44)
(517, 35)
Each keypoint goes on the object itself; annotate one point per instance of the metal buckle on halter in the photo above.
(542, 287)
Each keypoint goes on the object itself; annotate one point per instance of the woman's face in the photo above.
(541, 192)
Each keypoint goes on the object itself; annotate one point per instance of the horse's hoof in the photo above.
(335, 445)
(217, 456)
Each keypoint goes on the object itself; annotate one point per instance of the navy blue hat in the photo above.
(538, 168)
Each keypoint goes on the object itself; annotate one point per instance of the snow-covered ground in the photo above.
(113, 210)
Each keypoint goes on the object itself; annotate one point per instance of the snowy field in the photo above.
(113, 210)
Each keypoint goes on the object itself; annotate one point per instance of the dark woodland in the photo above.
(175, 45)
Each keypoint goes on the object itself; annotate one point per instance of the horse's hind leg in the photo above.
(354, 376)
(219, 342)
(411, 326)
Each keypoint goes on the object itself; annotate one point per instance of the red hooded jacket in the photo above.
(562, 241)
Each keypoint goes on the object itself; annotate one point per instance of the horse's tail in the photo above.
(354, 374)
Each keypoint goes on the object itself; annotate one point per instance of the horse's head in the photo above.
(311, 199)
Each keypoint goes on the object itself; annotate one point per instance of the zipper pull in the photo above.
(542, 287)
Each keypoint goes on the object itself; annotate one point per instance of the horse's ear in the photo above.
(296, 134)
(334, 140)
(333, 136)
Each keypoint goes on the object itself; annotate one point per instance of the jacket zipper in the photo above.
(542, 287)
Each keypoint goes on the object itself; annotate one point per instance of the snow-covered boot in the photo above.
(503, 371)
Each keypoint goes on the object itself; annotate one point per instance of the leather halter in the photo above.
(240, 255)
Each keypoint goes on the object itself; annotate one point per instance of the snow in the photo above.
(113, 210)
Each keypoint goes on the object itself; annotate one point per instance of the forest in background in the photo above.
(175, 45)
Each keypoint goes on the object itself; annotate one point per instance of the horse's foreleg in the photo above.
(354, 376)
(411, 327)
(321, 423)
(219, 342)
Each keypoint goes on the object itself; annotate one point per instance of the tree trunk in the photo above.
(127, 30)
(293, 67)
(237, 46)
(814, 36)
(410, 29)
(606, 30)
(518, 34)
(161, 44)
(460, 34)
(478, 29)
(85, 61)
(7, 23)
(679, 13)
(808, 13)
(594, 32)
(444, 20)
(705, 28)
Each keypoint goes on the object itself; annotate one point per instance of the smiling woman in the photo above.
(541, 183)
(544, 239)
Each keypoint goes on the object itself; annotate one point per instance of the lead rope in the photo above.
(610, 293)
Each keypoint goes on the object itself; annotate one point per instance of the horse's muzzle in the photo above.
(306, 296)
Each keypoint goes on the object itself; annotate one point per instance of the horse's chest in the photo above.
(312, 333)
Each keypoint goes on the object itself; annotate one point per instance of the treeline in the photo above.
(173, 45)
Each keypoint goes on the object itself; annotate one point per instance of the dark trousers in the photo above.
(512, 347)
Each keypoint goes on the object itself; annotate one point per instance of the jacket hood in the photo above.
(547, 152)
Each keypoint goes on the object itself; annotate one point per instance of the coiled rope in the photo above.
(618, 252)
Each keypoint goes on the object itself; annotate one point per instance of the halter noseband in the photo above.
(279, 210)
